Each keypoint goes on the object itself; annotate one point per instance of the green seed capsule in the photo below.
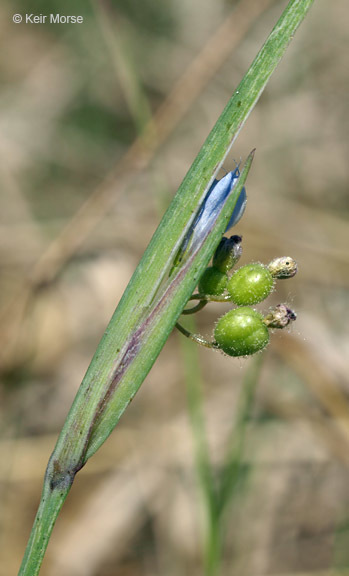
(250, 284)
(213, 282)
(241, 332)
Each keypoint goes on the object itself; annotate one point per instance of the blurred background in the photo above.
(85, 178)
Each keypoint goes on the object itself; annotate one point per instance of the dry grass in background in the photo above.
(81, 194)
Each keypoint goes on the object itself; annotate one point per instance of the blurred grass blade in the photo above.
(151, 304)
(230, 472)
(203, 468)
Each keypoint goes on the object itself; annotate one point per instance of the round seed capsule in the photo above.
(213, 282)
(250, 284)
(241, 332)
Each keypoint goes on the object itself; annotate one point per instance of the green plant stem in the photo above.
(210, 298)
(51, 503)
(153, 301)
(195, 337)
(196, 308)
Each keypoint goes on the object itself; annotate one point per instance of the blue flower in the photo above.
(214, 202)
(210, 210)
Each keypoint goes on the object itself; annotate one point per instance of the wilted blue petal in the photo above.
(238, 210)
(213, 203)
(210, 210)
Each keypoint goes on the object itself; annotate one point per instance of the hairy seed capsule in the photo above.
(241, 332)
(213, 282)
(250, 284)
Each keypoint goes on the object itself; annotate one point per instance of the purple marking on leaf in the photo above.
(136, 340)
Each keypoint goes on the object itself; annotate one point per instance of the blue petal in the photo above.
(238, 210)
(210, 209)
(214, 201)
